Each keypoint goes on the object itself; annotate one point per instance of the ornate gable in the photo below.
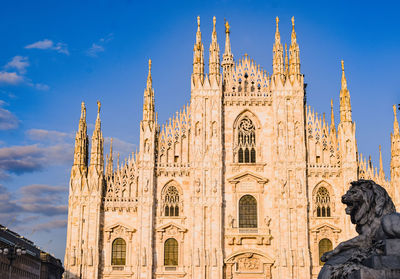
(119, 230)
(171, 230)
(248, 182)
(325, 230)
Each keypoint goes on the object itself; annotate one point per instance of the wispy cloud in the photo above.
(49, 44)
(20, 63)
(30, 158)
(31, 203)
(53, 224)
(95, 50)
(48, 135)
(43, 199)
(12, 78)
(42, 86)
(99, 46)
(8, 120)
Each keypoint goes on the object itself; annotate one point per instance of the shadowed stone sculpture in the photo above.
(375, 252)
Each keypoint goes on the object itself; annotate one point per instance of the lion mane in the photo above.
(374, 214)
(366, 201)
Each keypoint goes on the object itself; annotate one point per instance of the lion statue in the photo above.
(374, 214)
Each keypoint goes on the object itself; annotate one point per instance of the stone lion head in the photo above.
(366, 200)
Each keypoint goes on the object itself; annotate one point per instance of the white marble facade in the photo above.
(244, 182)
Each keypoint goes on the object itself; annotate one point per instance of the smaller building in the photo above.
(35, 264)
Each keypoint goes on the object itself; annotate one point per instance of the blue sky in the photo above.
(56, 54)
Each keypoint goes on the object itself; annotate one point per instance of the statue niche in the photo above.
(375, 252)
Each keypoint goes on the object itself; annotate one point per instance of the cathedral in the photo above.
(244, 182)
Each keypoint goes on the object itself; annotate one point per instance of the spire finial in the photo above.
(98, 107)
(332, 114)
(214, 21)
(149, 79)
(83, 110)
(227, 27)
(111, 146)
(380, 158)
(198, 23)
(227, 61)
(396, 123)
(292, 22)
(149, 66)
(214, 32)
(344, 82)
(278, 60)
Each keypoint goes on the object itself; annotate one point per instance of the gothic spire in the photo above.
(81, 141)
(333, 127)
(277, 63)
(214, 63)
(286, 61)
(148, 102)
(198, 56)
(381, 172)
(96, 154)
(345, 106)
(110, 161)
(395, 151)
(227, 57)
(395, 123)
(294, 53)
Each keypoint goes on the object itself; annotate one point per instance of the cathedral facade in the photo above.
(244, 182)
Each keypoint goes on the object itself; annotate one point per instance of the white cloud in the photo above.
(42, 87)
(12, 78)
(98, 47)
(94, 50)
(18, 62)
(32, 158)
(8, 120)
(24, 207)
(45, 44)
(48, 135)
(49, 44)
(53, 224)
(61, 48)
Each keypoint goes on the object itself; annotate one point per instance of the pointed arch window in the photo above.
(247, 212)
(246, 144)
(324, 246)
(323, 203)
(171, 252)
(118, 256)
(171, 202)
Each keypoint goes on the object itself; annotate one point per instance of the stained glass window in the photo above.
(171, 201)
(247, 212)
(323, 203)
(171, 252)
(118, 252)
(324, 245)
(246, 141)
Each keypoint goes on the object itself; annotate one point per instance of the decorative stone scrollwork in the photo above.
(119, 230)
(171, 230)
(247, 263)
